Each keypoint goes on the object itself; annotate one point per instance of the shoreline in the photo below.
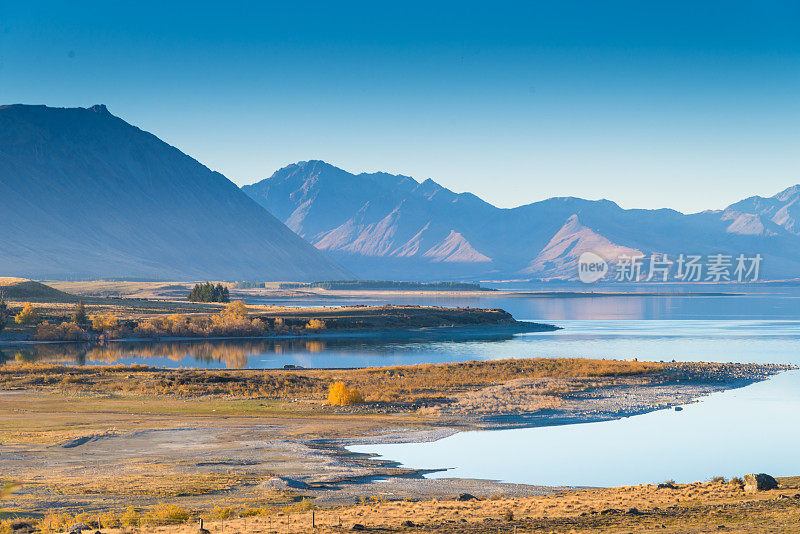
(432, 333)
(334, 294)
(169, 291)
(254, 441)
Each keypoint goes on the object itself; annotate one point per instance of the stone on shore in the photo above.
(759, 482)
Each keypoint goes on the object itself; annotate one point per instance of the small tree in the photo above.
(79, 315)
(221, 294)
(3, 311)
(28, 315)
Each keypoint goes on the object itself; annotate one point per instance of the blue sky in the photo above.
(688, 105)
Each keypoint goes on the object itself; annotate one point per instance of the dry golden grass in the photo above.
(691, 508)
(116, 288)
(432, 382)
(18, 289)
(699, 507)
(385, 384)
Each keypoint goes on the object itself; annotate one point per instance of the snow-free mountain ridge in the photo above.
(392, 226)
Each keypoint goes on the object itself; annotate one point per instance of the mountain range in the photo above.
(381, 225)
(85, 194)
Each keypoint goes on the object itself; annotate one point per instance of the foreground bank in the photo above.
(716, 506)
(106, 438)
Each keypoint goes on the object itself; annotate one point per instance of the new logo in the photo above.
(591, 267)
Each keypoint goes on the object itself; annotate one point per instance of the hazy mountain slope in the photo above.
(376, 216)
(660, 231)
(83, 193)
(559, 258)
(387, 226)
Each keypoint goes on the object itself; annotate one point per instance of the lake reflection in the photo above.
(697, 340)
(249, 353)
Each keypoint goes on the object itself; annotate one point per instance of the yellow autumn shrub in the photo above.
(340, 395)
(63, 332)
(236, 309)
(28, 315)
(104, 323)
(315, 324)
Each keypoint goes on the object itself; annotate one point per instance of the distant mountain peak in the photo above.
(559, 258)
(99, 108)
(455, 249)
(314, 163)
(758, 215)
(789, 193)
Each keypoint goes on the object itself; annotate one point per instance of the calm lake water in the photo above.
(752, 429)
(730, 433)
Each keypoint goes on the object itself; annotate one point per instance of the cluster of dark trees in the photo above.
(209, 292)
(386, 284)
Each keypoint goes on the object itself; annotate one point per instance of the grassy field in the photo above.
(717, 506)
(399, 384)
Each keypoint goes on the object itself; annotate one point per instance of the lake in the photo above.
(729, 433)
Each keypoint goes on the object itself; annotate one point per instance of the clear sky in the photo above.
(688, 105)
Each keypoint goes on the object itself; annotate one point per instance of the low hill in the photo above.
(85, 195)
(21, 289)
